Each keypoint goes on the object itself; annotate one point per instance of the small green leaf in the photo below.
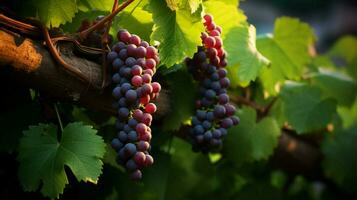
(55, 12)
(348, 115)
(339, 163)
(42, 157)
(287, 50)
(244, 54)
(178, 32)
(336, 85)
(304, 107)
(345, 47)
(251, 141)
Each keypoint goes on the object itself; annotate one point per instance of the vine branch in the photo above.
(83, 34)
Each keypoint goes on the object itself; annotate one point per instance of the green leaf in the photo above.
(240, 42)
(251, 141)
(346, 48)
(75, 23)
(304, 107)
(336, 85)
(42, 157)
(135, 19)
(178, 32)
(348, 115)
(287, 50)
(95, 5)
(339, 163)
(182, 96)
(55, 12)
(174, 5)
(194, 5)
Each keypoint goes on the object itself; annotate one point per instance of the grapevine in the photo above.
(133, 64)
(214, 113)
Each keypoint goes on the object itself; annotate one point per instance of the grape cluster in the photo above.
(133, 64)
(214, 113)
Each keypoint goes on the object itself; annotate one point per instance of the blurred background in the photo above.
(329, 18)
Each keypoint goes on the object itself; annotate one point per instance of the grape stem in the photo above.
(83, 34)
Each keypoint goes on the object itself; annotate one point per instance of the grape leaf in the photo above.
(55, 12)
(42, 157)
(287, 50)
(336, 85)
(73, 26)
(174, 5)
(178, 32)
(95, 5)
(348, 115)
(251, 141)
(346, 48)
(182, 96)
(194, 5)
(304, 107)
(241, 42)
(339, 162)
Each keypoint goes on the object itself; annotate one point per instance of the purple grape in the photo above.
(210, 94)
(132, 136)
(130, 61)
(206, 125)
(117, 64)
(111, 56)
(201, 115)
(125, 87)
(116, 144)
(122, 102)
(130, 149)
(131, 95)
(123, 112)
(223, 99)
(235, 120)
(219, 111)
(116, 92)
(127, 128)
(131, 165)
(131, 50)
(116, 78)
(123, 137)
(143, 146)
(198, 130)
(227, 122)
(136, 175)
(132, 122)
(123, 54)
